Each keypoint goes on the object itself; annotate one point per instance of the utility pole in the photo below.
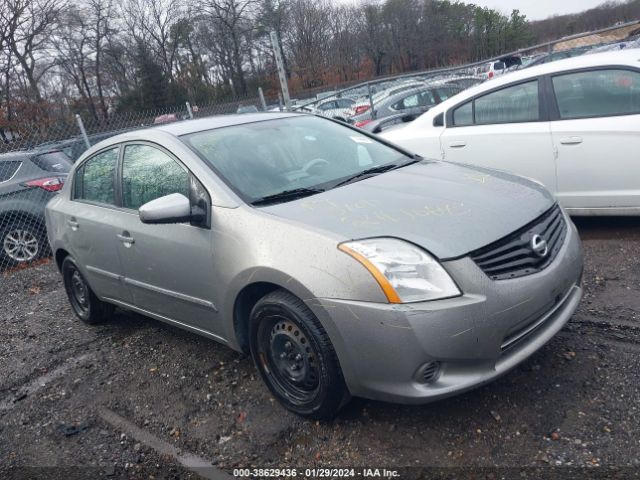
(281, 73)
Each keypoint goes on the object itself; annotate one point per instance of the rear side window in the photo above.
(8, 169)
(95, 179)
(518, 103)
(53, 162)
(498, 66)
(446, 92)
(149, 173)
(344, 103)
(598, 93)
(407, 102)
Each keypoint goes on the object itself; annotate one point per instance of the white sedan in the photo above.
(573, 125)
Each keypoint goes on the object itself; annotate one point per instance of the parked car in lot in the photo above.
(363, 104)
(75, 146)
(389, 123)
(268, 233)
(337, 108)
(464, 82)
(573, 125)
(554, 56)
(28, 180)
(247, 109)
(490, 70)
(413, 101)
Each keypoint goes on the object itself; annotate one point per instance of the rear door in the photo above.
(92, 220)
(169, 268)
(504, 129)
(596, 133)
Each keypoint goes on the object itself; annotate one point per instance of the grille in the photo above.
(428, 373)
(521, 333)
(513, 256)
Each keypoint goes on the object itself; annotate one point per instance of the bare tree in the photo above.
(308, 38)
(232, 21)
(152, 22)
(30, 23)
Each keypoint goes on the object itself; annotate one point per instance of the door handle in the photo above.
(125, 238)
(571, 140)
(458, 144)
(73, 224)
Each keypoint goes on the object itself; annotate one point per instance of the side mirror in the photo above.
(173, 208)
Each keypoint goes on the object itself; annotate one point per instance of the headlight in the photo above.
(405, 272)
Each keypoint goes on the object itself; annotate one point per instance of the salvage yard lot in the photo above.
(134, 393)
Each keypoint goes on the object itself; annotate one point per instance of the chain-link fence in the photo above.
(37, 152)
(386, 101)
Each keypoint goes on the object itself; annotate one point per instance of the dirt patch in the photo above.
(572, 405)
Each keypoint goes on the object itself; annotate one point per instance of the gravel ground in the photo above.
(135, 398)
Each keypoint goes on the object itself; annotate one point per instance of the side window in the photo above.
(597, 93)
(328, 106)
(445, 93)
(149, 173)
(426, 98)
(95, 179)
(518, 103)
(407, 102)
(344, 103)
(463, 115)
(8, 169)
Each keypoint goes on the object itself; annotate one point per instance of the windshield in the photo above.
(267, 158)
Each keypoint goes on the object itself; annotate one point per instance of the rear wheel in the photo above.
(22, 243)
(87, 307)
(295, 357)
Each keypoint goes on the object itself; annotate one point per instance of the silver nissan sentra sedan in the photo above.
(344, 265)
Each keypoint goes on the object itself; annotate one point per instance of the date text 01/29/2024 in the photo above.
(315, 473)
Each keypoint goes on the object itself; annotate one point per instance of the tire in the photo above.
(22, 242)
(295, 357)
(87, 307)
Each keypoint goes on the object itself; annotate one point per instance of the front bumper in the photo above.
(474, 338)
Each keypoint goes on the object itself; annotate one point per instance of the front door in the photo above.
(169, 268)
(503, 130)
(597, 138)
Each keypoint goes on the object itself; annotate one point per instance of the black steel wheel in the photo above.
(87, 307)
(295, 357)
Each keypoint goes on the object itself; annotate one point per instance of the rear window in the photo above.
(8, 169)
(56, 162)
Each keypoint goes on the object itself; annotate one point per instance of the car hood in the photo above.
(447, 209)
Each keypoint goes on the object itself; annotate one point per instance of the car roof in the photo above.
(28, 154)
(621, 57)
(218, 121)
(13, 156)
(629, 56)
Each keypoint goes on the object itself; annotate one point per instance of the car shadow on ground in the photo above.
(605, 228)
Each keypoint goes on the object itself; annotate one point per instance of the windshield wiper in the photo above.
(376, 170)
(287, 195)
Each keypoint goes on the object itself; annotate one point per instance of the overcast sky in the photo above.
(533, 9)
(539, 9)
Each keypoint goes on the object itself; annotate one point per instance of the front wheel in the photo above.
(295, 357)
